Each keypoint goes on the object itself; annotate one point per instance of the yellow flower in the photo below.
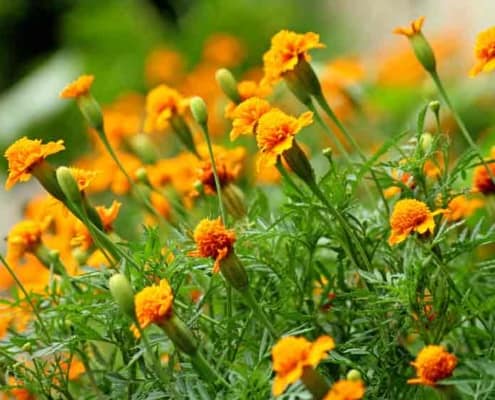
(80, 87)
(246, 116)
(83, 177)
(287, 49)
(153, 304)
(213, 240)
(411, 30)
(246, 89)
(223, 50)
(432, 364)
(291, 354)
(164, 66)
(275, 134)
(411, 215)
(346, 389)
(24, 237)
(461, 207)
(400, 176)
(162, 103)
(485, 52)
(24, 154)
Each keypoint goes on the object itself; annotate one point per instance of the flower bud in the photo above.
(233, 200)
(425, 141)
(234, 272)
(228, 84)
(142, 176)
(354, 375)
(68, 185)
(144, 147)
(434, 106)
(199, 110)
(183, 132)
(27, 347)
(121, 291)
(303, 82)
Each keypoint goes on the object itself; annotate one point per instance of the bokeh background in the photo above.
(46, 44)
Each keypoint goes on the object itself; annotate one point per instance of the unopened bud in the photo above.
(354, 375)
(27, 347)
(424, 52)
(142, 176)
(91, 111)
(234, 272)
(299, 163)
(68, 185)
(425, 141)
(178, 332)
(121, 291)
(228, 84)
(434, 106)
(199, 110)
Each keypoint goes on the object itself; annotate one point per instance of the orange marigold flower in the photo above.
(287, 49)
(24, 154)
(213, 240)
(246, 116)
(411, 215)
(24, 237)
(411, 30)
(19, 392)
(226, 174)
(346, 389)
(482, 181)
(80, 87)
(400, 176)
(275, 134)
(461, 207)
(484, 52)
(83, 177)
(246, 89)
(291, 354)
(162, 103)
(75, 368)
(432, 364)
(153, 304)
(223, 50)
(164, 66)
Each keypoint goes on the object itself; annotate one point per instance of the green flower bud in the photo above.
(299, 163)
(178, 332)
(69, 185)
(199, 110)
(425, 141)
(91, 111)
(354, 375)
(424, 52)
(121, 291)
(228, 84)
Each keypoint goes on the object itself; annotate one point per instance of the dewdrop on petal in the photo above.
(228, 84)
(121, 291)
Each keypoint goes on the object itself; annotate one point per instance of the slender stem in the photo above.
(253, 303)
(218, 187)
(460, 122)
(156, 362)
(26, 295)
(205, 369)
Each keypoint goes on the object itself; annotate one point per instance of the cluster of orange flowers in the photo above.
(136, 128)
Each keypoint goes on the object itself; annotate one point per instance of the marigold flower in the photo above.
(213, 240)
(153, 304)
(400, 176)
(83, 177)
(80, 87)
(24, 154)
(246, 90)
(287, 49)
(411, 215)
(246, 116)
(432, 364)
(346, 389)
(291, 354)
(411, 30)
(24, 237)
(162, 103)
(19, 392)
(226, 174)
(223, 50)
(461, 207)
(482, 181)
(275, 134)
(164, 66)
(484, 52)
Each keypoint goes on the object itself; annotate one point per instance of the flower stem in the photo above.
(443, 93)
(205, 369)
(253, 303)
(287, 177)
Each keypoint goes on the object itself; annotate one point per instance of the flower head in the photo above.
(432, 364)
(246, 116)
(287, 49)
(162, 103)
(227, 173)
(484, 52)
(153, 304)
(24, 237)
(291, 354)
(213, 240)
(83, 177)
(346, 389)
(411, 30)
(482, 181)
(275, 134)
(24, 154)
(461, 207)
(410, 215)
(80, 87)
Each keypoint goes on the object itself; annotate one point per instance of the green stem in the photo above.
(460, 122)
(206, 370)
(204, 128)
(258, 311)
